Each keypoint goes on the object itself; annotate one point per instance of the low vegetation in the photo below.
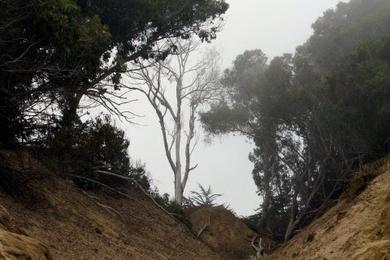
(315, 116)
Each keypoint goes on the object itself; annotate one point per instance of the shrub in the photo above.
(92, 149)
(203, 198)
(171, 207)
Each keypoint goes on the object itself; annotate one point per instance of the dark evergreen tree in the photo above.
(314, 117)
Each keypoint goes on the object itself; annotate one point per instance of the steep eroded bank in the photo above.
(74, 224)
(357, 228)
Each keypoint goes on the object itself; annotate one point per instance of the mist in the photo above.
(276, 27)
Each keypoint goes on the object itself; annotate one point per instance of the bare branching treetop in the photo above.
(177, 88)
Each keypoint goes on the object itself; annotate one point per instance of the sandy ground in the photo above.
(94, 225)
(44, 216)
(223, 231)
(357, 228)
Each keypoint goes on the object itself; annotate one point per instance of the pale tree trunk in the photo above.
(195, 85)
(188, 151)
(178, 186)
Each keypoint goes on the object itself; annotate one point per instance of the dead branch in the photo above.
(203, 229)
(101, 184)
(139, 186)
(259, 249)
(105, 207)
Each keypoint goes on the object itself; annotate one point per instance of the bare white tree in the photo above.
(177, 88)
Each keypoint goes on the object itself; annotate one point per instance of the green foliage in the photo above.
(221, 118)
(356, 100)
(95, 147)
(53, 52)
(315, 117)
(137, 25)
(146, 20)
(44, 44)
(339, 31)
(203, 198)
(171, 206)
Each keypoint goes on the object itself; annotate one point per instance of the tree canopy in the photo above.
(314, 116)
(55, 52)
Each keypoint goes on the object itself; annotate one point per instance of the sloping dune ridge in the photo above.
(356, 228)
(50, 218)
(44, 216)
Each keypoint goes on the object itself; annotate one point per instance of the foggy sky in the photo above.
(276, 27)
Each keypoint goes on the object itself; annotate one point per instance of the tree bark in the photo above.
(178, 185)
(293, 220)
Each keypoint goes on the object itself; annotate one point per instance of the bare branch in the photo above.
(203, 229)
(175, 88)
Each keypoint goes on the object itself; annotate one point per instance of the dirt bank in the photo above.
(357, 228)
